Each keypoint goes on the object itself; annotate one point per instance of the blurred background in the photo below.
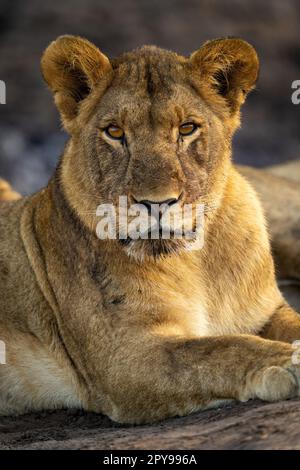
(31, 138)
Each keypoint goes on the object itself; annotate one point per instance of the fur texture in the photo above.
(140, 330)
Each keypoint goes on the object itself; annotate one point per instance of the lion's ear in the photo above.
(230, 66)
(72, 67)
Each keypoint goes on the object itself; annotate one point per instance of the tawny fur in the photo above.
(150, 331)
(7, 193)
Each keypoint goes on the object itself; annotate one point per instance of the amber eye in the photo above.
(115, 132)
(187, 129)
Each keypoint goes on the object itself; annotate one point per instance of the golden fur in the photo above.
(143, 330)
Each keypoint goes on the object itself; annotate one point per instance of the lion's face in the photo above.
(151, 126)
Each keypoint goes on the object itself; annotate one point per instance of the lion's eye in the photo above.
(187, 129)
(115, 132)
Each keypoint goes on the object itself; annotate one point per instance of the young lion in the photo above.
(143, 329)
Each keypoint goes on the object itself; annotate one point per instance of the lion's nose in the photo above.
(149, 204)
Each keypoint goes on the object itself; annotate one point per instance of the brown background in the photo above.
(30, 135)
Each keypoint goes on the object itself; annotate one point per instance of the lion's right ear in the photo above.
(72, 67)
(230, 67)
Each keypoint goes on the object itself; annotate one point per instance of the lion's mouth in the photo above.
(140, 249)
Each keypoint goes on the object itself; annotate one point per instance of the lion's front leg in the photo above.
(284, 325)
(175, 377)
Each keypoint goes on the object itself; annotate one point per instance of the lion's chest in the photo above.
(191, 315)
(179, 309)
(186, 304)
(189, 309)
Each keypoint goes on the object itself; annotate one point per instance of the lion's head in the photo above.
(151, 125)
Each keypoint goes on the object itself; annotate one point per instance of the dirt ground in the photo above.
(255, 425)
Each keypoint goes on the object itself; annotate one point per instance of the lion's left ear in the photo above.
(230, 66)
(73, 67)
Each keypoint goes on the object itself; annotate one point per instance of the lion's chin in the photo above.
(140, 250)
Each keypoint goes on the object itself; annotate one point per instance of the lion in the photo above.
(7, 193)
(144, 329)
